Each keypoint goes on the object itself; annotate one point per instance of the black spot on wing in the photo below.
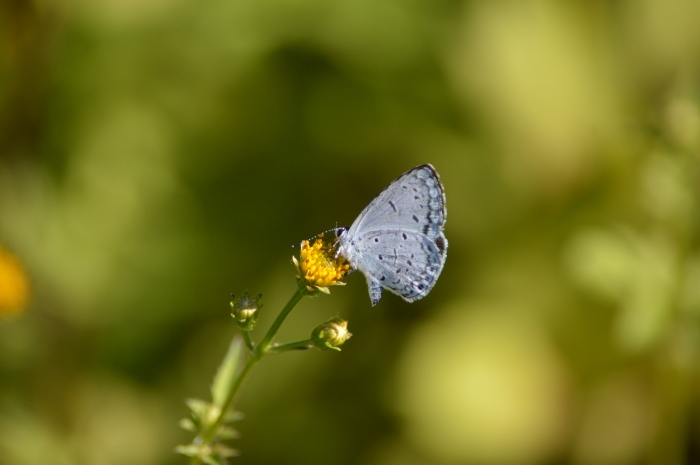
(440, 242)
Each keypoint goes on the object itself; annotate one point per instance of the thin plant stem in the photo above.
(248, 342)
(238, 381)
(262, 348)
(252, 358)
(299, 345)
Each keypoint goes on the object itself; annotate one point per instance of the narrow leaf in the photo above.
(223, 381)
(189, 450)
(188, 424)
(226, 432)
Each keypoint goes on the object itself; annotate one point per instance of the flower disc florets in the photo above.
(320, 266)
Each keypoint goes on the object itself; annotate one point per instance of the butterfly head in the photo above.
(340, 231)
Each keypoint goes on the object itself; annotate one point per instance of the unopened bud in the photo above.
(245, 310)
(331, 334)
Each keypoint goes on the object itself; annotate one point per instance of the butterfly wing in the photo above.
(397, 241)
(404, 262)
(414, 201)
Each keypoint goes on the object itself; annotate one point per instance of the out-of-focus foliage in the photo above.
(157, 155)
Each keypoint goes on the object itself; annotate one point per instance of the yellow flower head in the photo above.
(14, 284)
(320, 266)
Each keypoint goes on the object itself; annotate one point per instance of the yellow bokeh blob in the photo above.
(482, 383)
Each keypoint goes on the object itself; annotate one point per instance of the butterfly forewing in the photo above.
(413, 201)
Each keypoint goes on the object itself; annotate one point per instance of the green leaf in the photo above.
(209, 460)
(233, 415)
(188, 424)
(226, 432)
(189, 450)
(223, 381)
(223, 451)
(198, 407)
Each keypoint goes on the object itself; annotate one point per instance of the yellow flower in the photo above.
(14, 284)
(319, 266)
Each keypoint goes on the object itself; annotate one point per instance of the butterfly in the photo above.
(398, 242)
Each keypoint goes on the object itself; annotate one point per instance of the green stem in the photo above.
(238, 381)
(248, 342)
(264, 345)
(252, 358)
(299, 345)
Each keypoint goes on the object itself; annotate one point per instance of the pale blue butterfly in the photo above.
(397, 242)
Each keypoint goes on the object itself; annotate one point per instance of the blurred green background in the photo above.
(157, 155)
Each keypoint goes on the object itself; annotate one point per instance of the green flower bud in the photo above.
(245, 310)
(331, 334)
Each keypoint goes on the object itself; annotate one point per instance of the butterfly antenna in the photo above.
(314, 237)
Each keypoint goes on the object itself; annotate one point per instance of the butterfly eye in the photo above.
(340, 231)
